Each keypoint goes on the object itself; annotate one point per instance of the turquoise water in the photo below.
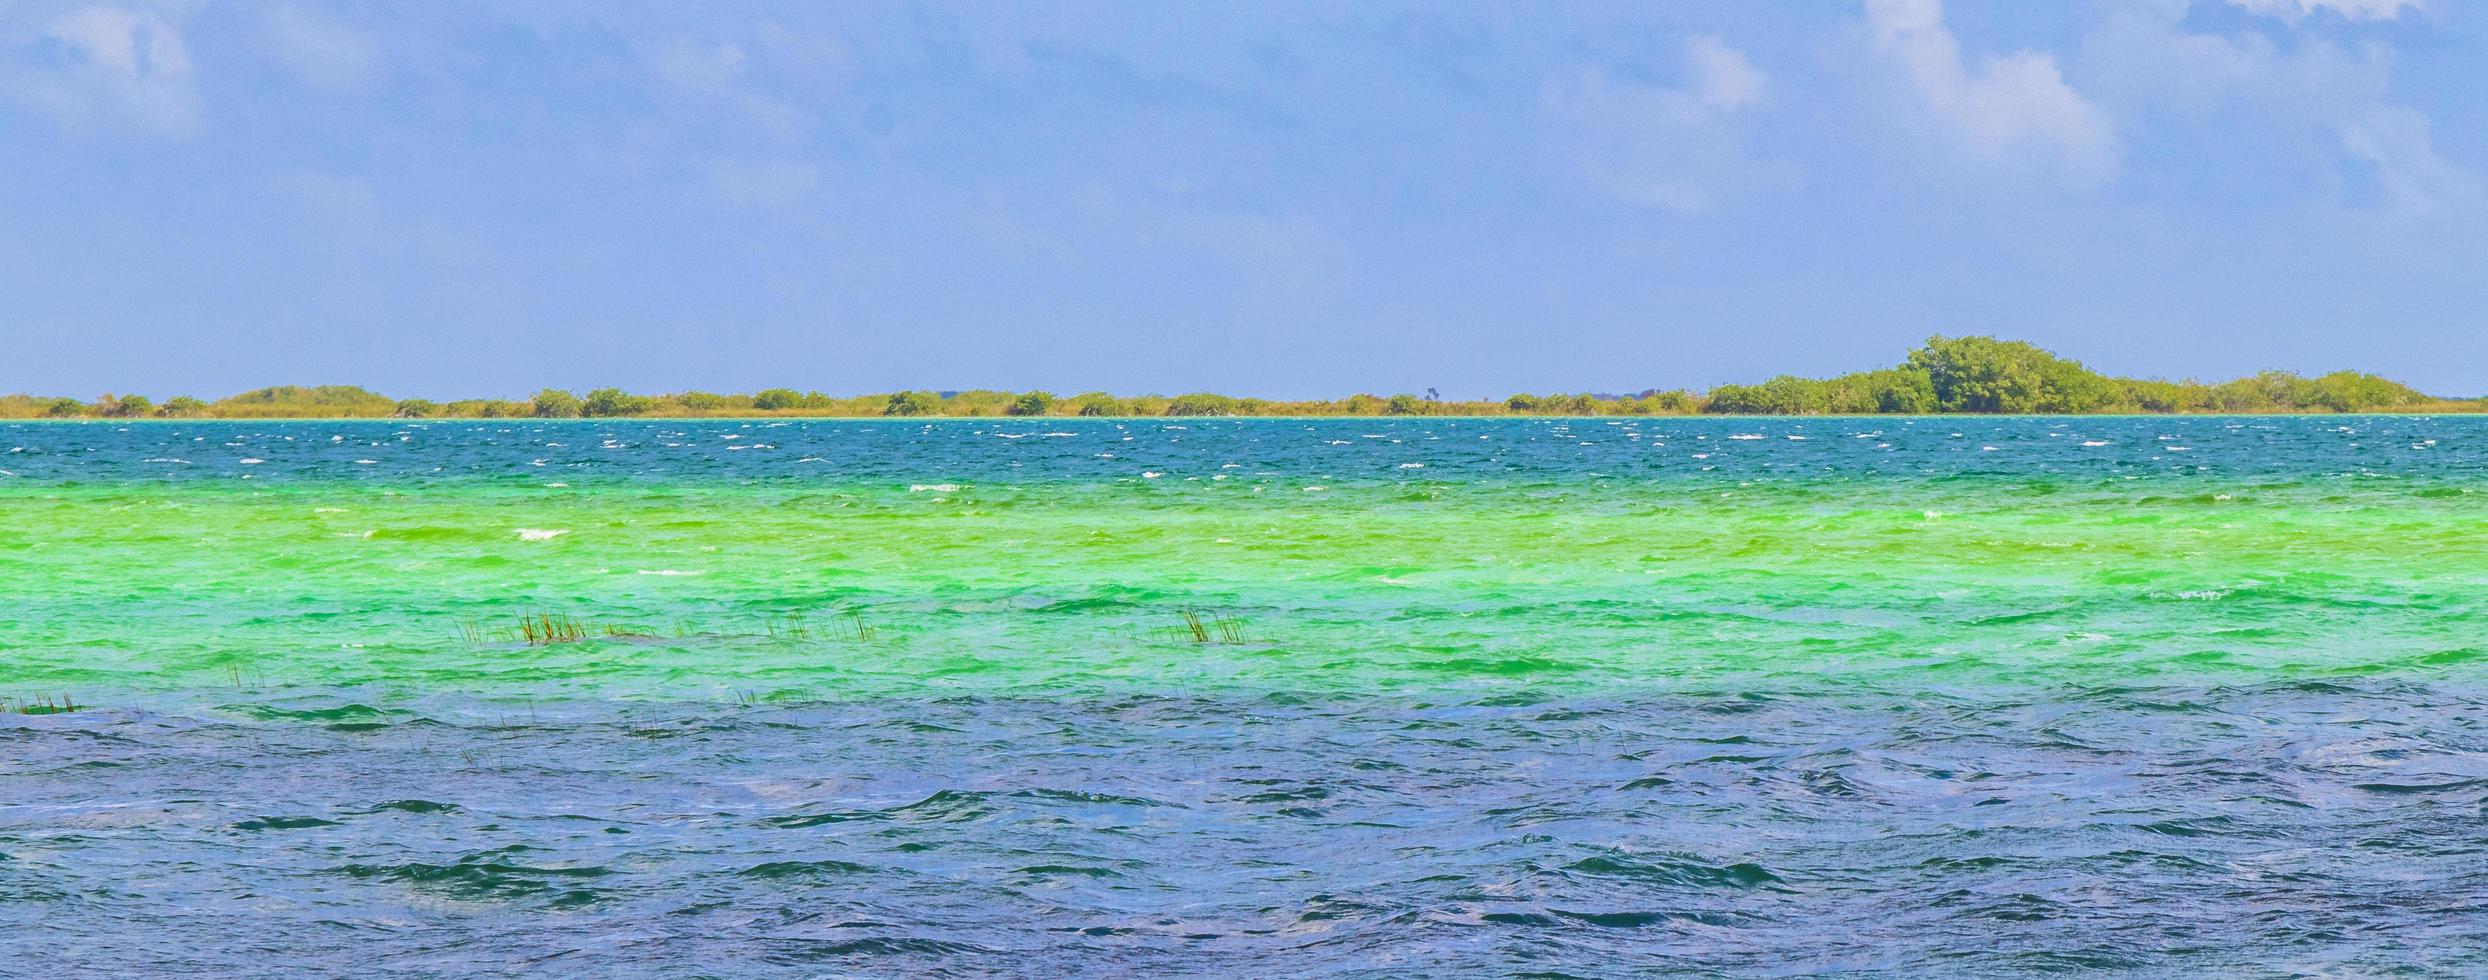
(1402, 696)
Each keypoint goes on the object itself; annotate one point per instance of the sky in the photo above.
(461, 199)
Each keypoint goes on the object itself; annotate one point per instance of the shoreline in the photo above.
(1683, 416)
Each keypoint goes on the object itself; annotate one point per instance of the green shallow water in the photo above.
(998, 580)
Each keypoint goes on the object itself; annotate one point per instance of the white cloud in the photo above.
(118, 65)
(1722, 78)
(2414, 177)
(1671, 148)
(720, 74)
(2292, 10)
(762, 183)
(323, 52)
(707, 68)
(2005, 107)
(2144, 59)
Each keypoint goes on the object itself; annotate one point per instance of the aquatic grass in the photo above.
(545, 629)
(535, 630)
(41, 704)
(1216, 629)
(847, 625)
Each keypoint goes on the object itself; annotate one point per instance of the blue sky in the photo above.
(459, 198)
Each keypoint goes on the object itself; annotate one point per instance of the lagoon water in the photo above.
(1467, 696)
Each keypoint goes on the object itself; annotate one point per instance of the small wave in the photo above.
(668, 572)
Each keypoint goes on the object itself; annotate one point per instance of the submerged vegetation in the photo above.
(1947, 375)
(1216, 629)
(38, 705)
(537, 629)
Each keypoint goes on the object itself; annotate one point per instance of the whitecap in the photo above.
(664, 571)
(252, 461)
(1412, 466)
(2095, 443)
(541, 534)
(1150, 474)
(935, 487)
(1743, 436)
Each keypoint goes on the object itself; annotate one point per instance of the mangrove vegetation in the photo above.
(1978, 374)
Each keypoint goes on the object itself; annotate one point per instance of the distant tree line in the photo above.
(1947, 375)
(1983, 375)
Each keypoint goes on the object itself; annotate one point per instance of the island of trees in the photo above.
(1948, 375)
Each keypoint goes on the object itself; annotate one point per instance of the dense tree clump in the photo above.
(1990, 376)
(608, 402)
(554, 403)
(913, 403)
(293, 401)
(1947, 375)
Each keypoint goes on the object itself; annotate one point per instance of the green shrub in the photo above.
(913, 403)
(1033, 403)
(1201, 403)
(608, 402)
(554, 403)
(777, 399)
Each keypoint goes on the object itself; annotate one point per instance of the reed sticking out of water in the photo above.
(848, 625)
(535, 630)
(38, 705)
(545, 629)
(1197, 630)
